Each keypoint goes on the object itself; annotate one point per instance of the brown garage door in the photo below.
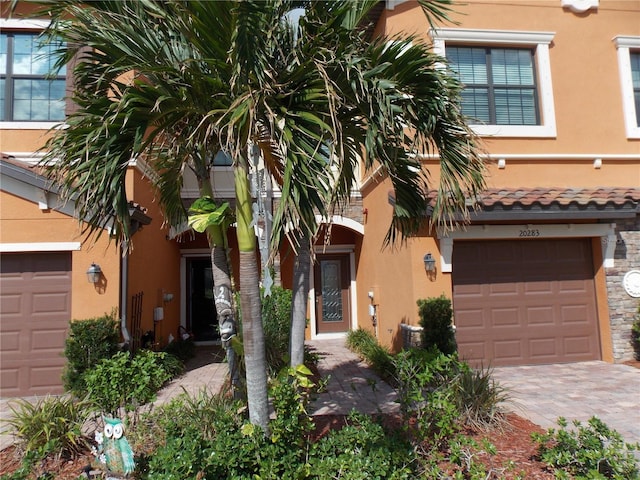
(35, 306)
(525, 302)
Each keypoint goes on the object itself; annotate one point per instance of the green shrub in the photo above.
(427, 392)
(365, 344)
(635, 335)
(50, 425)
(435, 319)
(591, 451)
(276, 321)
(89, 342)
(184, 349)
(362, 450)
(127, 382)
(479, 397)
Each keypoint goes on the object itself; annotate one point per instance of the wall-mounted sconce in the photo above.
(429, 263)
(167, 297)
(94, 273)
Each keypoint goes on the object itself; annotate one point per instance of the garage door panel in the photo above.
(497, 289)
(578, 345)
(507, 351)
(542, 316)
(538, 288)
(504, 317)
(544, 312)
(36, 310)
(543, 348)
(50, 303)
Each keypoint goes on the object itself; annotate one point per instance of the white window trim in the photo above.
(25, 24)
(39, 247)
(624, 44)
(539, 40)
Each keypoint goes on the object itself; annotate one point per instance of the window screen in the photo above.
(499, 84)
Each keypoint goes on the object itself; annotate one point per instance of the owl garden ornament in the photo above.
(114, 449)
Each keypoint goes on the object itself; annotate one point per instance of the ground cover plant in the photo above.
(209, 435)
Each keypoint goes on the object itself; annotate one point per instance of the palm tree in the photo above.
(177, 81)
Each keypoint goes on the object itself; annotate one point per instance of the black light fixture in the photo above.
(93, 274)
(429, 262)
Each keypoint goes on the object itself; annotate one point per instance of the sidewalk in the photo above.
(352, 384)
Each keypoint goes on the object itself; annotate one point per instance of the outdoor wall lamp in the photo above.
(429, 263)
(93, 274)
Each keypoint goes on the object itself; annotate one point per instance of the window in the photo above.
(635, 81)
(499, 84)
(29, 91)
(507, 78)
(629, 66)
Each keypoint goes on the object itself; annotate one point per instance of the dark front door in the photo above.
(333, 308)
(201, 311)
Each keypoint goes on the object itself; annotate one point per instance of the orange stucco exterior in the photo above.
(24, 223)
(590, 125)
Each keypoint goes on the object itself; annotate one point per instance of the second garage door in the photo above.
(525, 302)
(35, 305)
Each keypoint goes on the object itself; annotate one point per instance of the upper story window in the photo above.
(629, 66)
(507, 78)
(635, 81)
(500, 87)
(29, 92)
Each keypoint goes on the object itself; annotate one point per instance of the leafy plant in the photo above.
(362, 450)
(591, 451)
(435, 319)
(127, 382)
(50, 425)
(276, 321)
(365, 344)
(89, 342)
(479, 397)
(635, 335)
(427, 392)
(183, 348)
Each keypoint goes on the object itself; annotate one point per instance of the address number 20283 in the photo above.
(529, 233)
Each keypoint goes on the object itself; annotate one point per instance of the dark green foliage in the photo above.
(89, 342)
(276, 321)
(479, 397)
(127, 382)
(435, 318)
(426, 391)
(365, 344)
(635, 336)
(184, 349)
(362, 450)
(49, 426)
(207, 438)
(591, 451)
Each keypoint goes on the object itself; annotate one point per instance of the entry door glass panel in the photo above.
(332, 278)
(331, 291)
(202, 318)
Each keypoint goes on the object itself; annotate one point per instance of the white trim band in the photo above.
(40, 247)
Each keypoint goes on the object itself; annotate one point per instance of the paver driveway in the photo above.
(542, 393)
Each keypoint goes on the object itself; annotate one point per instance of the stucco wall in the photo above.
(23, 222)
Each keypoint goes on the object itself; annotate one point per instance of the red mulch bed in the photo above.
(513, 445)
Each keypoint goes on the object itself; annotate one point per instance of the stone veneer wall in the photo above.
(623, 309)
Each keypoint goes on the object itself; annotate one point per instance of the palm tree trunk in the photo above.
(299, 302)
(222, 289)
(252, 331)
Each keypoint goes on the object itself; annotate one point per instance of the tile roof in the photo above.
(545, 197)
